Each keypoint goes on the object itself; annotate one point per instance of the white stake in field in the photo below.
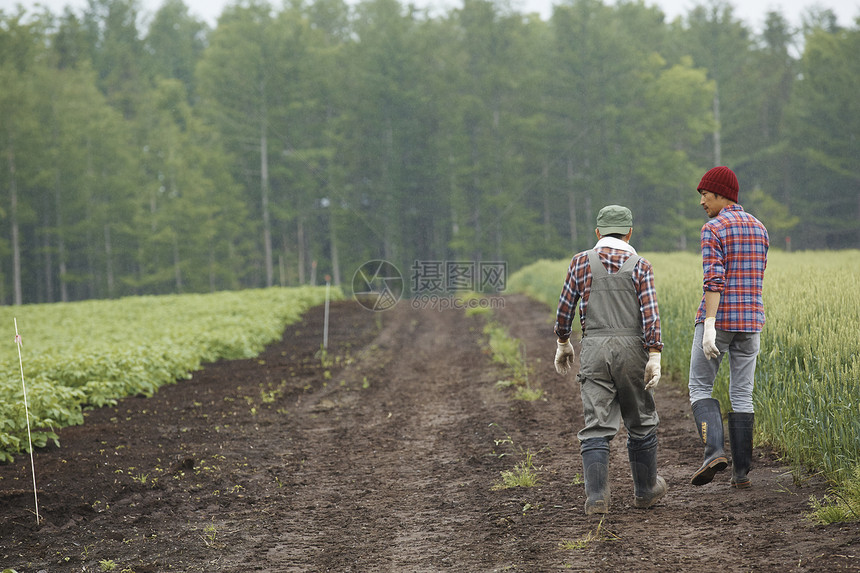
(19, 344)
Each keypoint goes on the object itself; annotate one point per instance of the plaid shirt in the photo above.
(577, 286)
(734, 257)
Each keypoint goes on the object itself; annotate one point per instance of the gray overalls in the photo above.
(613, 357)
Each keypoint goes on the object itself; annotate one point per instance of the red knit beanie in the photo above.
(722, 181)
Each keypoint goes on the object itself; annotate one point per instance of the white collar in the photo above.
(613, 243)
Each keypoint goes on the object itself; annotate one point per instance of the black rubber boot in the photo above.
(595, 469)
(648, 487)
(741, 426)
(709, 423)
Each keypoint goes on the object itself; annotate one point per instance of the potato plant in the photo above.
(90, 354)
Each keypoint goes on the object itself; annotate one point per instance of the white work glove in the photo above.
(564, 357)
(652, 370)
(709, 339)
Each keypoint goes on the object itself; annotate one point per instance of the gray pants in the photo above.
(743, 349)
(613, 388)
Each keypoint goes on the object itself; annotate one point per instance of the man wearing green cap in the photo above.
(619, 361)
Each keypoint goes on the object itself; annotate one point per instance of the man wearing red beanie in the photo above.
(729, 319)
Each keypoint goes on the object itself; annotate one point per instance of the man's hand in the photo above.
(709, 339)
(564, 357)
(652, 370)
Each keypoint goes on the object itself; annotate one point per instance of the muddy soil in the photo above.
(382, 456)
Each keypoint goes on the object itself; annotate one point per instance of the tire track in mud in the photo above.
(408, 497)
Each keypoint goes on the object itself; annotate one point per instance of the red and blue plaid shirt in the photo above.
(734, 257)
(577, 286)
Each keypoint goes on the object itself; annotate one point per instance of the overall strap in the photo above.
(628, 265)
(597, 268)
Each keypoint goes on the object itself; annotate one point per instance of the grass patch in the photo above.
(524, 474)
(841, 504)
(511, 353)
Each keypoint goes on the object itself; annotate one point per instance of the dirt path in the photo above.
(383, 457)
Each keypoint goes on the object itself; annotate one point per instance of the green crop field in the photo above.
(92, 353)
(807, 395)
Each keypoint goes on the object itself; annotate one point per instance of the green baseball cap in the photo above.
(614, 219)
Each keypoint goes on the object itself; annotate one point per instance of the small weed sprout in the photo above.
(326, 361)
(599, 534)
(524, 474)
(210, 532)
(268, 397)
(107, 565)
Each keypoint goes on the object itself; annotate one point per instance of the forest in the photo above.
(155, 154)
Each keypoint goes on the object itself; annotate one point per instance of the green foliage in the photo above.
(541, 280)
(511, 353)
(524, 474)
(90, 354)
(822, 120)
(806, 381)
(841, 504)
(317, 136)
(806, 396)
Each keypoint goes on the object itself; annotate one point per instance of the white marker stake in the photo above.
(325, 324)
(27, 414)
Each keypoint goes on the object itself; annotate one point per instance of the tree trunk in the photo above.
(211, 267)
(571, 204)
(61, 243)
(64, 286)
(177, 267)
(388, 191)
(476, 198)
(718, 147)
(300, 238)
(13, 221)
(264, 190)
(335, 259)
(109, 262)
(91, 265)
(547, 217)
(49, 258)
(452, 190)
(282, 270)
